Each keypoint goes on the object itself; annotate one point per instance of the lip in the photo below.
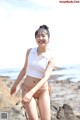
(41, 41)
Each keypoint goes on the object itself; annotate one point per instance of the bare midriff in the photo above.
(32, 81)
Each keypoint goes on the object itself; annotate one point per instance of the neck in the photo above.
(41, 50)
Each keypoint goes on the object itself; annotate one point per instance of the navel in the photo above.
(34, 82)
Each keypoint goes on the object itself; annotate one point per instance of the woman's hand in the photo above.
(27, 98)
(13, 90)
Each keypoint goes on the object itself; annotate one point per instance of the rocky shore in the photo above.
(65, 100)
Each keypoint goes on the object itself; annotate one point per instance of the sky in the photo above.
(19, 20)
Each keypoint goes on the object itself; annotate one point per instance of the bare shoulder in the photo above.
(28, 51)
(51, 56)
(50, 53)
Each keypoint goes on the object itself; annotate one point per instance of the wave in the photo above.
(62, 72)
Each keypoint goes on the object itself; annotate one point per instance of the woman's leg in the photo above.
(30, 107)
(44, 105)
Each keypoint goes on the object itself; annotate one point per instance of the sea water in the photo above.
(64, 72)
(68, 72)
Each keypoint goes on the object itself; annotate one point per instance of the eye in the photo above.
(38, 35)
(43, 35)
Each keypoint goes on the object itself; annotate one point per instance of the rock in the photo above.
(64, 112)
(68, 112)
(60, 114)
(54, 110)
(77, 115)
(14, 113)
(65, 100)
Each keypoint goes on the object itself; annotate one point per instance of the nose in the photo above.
(41, 37)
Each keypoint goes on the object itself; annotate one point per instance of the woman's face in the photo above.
(42, 39)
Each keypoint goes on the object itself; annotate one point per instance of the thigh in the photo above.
(31, 110)
(44, 105)
(30, 107)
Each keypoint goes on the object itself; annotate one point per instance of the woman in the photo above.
(37, 68)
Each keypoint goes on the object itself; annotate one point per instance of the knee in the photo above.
(44, 118)
(33, 119)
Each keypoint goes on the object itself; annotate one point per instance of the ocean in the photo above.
(68, 72)
(63, 73)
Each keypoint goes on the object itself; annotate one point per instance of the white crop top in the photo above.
(37, 64)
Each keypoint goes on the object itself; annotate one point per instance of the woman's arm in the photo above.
(23, 71)
(45, 78)
(21, 74)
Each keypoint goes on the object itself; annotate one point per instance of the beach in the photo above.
(65, 96)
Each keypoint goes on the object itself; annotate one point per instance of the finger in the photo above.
(25, 100)
(11, 92)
